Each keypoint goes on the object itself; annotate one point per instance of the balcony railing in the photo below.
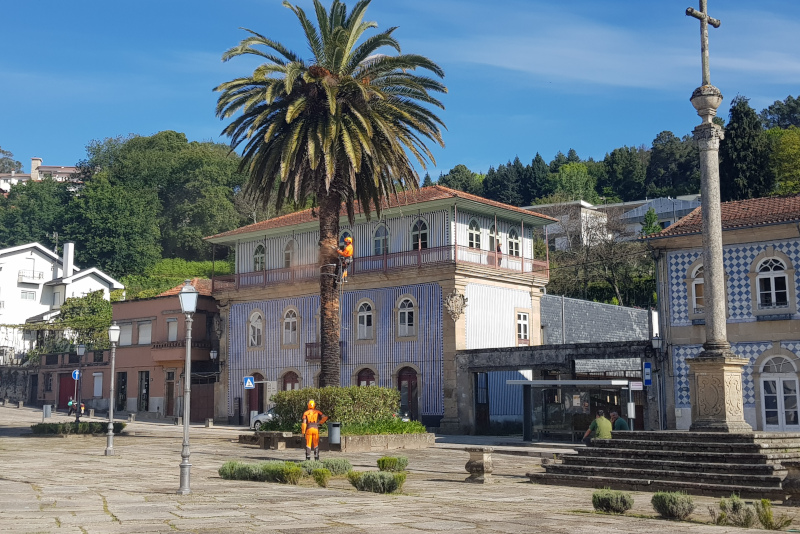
(34, 277)
(180, 343)
(313, 352)
(450, 255)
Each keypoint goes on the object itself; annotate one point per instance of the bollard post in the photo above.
(209, 423)
(480, 465)
(91, 412)
(21, 404)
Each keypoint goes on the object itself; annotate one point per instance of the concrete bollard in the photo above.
(179, 421)
(131, 417)
(480, 465)
(209, 423)
(5, 401)
(21, 404)
(91, 412)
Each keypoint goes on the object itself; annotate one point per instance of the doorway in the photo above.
(143, 404)
(779, 401)
(481, 402)
(122, 391)
(255, 396)
(65, 390)
(33, 392)
(407, 384)
(170, 393)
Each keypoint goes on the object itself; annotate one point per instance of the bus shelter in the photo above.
(560, 408)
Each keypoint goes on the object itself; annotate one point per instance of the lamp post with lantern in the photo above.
(188, 297)
(113, 337)
(79, 383)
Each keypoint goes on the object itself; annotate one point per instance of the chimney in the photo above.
(35, 163)
(68, 263)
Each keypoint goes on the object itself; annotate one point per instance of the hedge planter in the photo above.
(376, 443)
(68, 429)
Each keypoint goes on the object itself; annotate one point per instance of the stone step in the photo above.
(650, 464)
(730, 478)
(694, 488)
(693, 437)
(689, 456)
(709, 446)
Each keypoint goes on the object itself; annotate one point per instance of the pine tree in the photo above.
(650, 224)
(744, 167)
(427, 182)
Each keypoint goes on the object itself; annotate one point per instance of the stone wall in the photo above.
(591, 322)
(14, 383)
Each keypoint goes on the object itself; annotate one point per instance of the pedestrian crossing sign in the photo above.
(249, 383)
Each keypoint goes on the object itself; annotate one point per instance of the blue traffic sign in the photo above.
(647, 374)
(249, 382)
(76, 374)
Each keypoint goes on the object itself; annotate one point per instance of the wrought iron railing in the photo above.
(313, 352)
(180, 343)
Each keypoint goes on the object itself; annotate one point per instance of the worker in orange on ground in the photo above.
(346, 256)
(312, 418)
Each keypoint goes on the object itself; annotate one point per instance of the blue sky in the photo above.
(523, 76)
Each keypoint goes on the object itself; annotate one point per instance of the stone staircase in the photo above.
(753, 465)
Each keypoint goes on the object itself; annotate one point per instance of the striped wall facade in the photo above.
(386, 355)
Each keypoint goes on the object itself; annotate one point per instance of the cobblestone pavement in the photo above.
(65, 485)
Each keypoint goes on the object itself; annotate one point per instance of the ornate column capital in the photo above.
(708, 135)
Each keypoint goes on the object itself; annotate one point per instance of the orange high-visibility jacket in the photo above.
(312, 419)
(347, 252)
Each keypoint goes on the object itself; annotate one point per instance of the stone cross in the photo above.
(705, 20)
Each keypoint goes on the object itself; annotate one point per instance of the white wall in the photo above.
(490, 315)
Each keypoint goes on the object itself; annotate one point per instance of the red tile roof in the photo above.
(425, 194)
(739, 214)
(202, 285)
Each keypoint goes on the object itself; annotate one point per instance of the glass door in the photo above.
(780, 404)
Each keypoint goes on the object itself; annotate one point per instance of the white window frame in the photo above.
(28, 295)
(494, 237)
(288, 254)
(780, 370)
(145, 327)
(260, 258)
(290, 324)
(125, 334)
(172, 329)
(474, 234)
(365, 321)
(406, 318)
(514, 243)
(523, 328)
(771, 276)
(698, 281)
(419, 235)
(255, 330)
(380, 240)
(98, 384)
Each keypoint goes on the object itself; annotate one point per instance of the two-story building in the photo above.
(761, 247)
(426, 281)
(34, 283)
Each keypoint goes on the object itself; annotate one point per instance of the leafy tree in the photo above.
(650, 225)
(785, 159)
(626, 169)
(8, 163)
(572, 181)
(32, 212)
(462, 179)
(115, 227)
(782, 114)
(674, 167)
(339, 127)
(745, 170)
(87, 319)
(427, 182)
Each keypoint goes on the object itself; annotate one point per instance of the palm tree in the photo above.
(340, 127)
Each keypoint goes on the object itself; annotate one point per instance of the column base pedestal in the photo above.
(715, 381)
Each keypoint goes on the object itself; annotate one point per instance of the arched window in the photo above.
(255, 330)
(474, 234)
(364, 321)
(366, 377)
(288, 254)
(343, 236)
(494, 238)
(381, 241)
(773, 290)
(290, 328)
(290, 381)
(513, 243)
(779, 395)
(778, 364)
(405, 318)
(419, 235)
(698, 300)
(259, 258)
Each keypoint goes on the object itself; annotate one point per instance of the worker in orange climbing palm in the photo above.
(312, 418)
(346, 256)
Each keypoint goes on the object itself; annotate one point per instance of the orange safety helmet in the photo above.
(348, 240)
(311, 404)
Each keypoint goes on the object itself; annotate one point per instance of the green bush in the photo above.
(612, 501)
(321, 477)
(392, 425)
(377, 481)
(337, 466)
(393, 463)
(271, 471)
(672, 504)
(767, 519)
(347, 405)
(733, 511)
(310, 465)
(93, 427)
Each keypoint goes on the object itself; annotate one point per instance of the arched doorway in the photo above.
(779, 395)
(255, 396)
(290, 381)
(407, 384)
(366, 377)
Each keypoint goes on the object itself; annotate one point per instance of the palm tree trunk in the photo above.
(330, 361)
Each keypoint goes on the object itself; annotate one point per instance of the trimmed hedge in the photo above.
(308, 466)
(376, 481)
(612, 501)
(347, 405)
(337, 466)
(392, 425)
(75, 428)
(321, 477)
(271, 471)
(393, 463)
(672, 504)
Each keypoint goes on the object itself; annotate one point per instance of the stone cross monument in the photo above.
(715, 375)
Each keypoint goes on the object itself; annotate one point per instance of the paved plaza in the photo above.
(53, 484)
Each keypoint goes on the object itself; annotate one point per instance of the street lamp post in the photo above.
(113, 337)
(188, 297)
(79, 383)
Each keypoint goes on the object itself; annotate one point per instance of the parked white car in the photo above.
(262, 418)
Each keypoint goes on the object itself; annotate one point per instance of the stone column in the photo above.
(715, 375)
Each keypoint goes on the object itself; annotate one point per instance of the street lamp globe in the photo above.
(188, 297)
(113, 338)
(114, 332)
(81, 350)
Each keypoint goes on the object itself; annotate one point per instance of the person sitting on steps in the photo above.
(601, 427)
(346, 257)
